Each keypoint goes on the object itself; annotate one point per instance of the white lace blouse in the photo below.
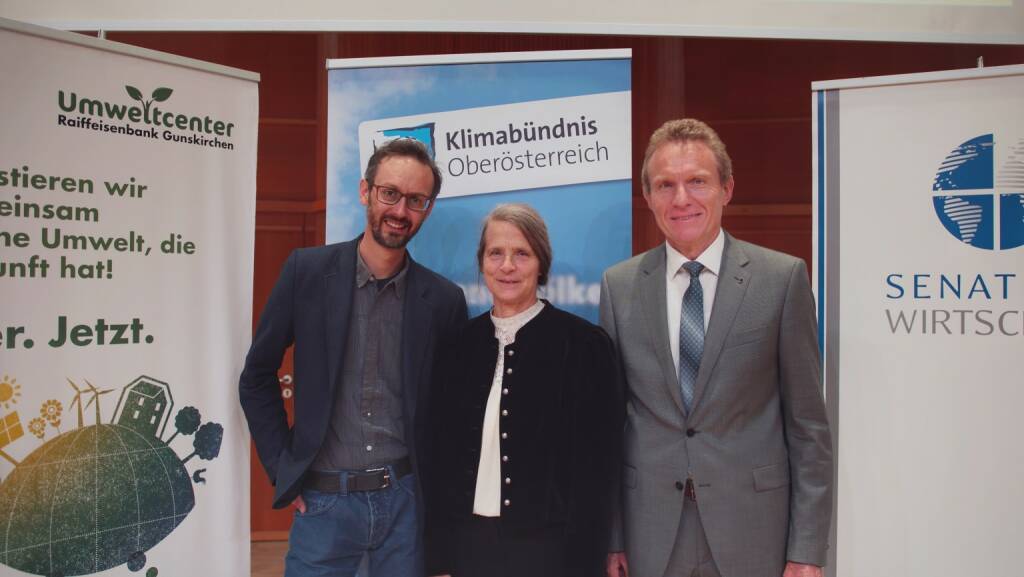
(487, 502)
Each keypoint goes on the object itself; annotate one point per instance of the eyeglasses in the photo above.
(417, 202)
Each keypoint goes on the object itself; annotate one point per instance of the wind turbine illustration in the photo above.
(95, 398)
(77, 401)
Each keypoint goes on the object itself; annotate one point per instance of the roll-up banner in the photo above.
(919, 251)
(127, 203)
(550, 129)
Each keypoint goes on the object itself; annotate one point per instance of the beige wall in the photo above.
(976, 21)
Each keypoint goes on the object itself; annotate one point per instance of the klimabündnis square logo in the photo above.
(424, 133)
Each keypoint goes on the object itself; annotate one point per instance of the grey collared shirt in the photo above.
(366, 427)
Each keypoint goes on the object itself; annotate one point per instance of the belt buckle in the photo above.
(387, 476)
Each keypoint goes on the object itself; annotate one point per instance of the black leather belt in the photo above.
(353, 481)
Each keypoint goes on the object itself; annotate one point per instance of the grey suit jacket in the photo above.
(757, 442)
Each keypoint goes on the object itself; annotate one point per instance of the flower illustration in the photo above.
(51, 411)
(37, 427)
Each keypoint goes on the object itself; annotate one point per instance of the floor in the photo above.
(268, 558)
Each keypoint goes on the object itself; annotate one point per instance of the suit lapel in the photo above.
(652, 294)
(338, 290)
(417, 312)
(733, 280)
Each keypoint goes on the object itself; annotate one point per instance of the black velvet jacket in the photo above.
(561, 426)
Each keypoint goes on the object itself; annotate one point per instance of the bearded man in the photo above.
(365, 320)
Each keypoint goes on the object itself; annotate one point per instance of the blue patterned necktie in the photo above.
(691, 334)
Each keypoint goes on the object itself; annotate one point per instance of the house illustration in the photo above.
(144, 406)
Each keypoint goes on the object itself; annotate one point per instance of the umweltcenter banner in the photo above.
(551, 129)
(920, 257)
(127, 202)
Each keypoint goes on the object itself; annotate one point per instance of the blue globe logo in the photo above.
(977, 202)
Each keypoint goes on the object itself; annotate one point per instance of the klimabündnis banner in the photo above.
(127, 202)
(551, 129)
(920, 256)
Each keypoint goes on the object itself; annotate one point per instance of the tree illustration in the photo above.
(159, 95)
(136, 561)
(186, 422)
(207, 442)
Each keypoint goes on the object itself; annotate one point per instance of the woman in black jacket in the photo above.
(527, 413)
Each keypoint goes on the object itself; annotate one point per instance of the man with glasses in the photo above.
(365, 321)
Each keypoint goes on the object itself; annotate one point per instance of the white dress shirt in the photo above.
(487, 500)
(677, 280)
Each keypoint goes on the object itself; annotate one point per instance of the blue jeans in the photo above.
(330, 538)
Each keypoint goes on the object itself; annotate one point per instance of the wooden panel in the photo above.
(280, 228)
(646, 234)
(277, 234)
(287, 63)
(659, 93)
(730, 79)
(771, 160)
(783, 227)
(285, 165)
(316, 227)
(752, 80)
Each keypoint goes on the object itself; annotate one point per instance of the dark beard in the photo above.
(376, 229)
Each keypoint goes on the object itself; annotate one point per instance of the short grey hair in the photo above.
(529, 222)
(687, 130)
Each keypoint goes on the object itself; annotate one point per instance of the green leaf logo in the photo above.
(161, 94)
(135, 93)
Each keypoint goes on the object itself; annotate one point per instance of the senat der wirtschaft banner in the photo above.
(919, 210)
(548, 129)
(127, 202)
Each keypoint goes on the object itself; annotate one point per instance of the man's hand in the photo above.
(299, 504)
(801, 570)
(616, 565)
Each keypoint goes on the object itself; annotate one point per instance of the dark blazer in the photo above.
(310, 307)
(564, 423)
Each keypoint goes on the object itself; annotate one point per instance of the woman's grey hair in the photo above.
(529, 222)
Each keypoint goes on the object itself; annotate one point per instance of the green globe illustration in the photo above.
(92, 499)
(102, 495)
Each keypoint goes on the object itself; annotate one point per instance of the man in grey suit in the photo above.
(728, 455)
